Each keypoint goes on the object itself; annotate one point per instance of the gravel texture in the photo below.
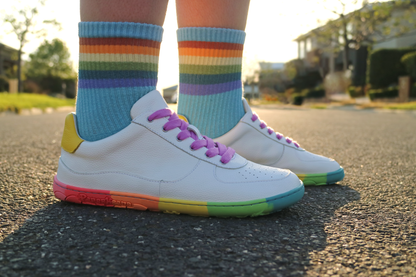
(363, 226)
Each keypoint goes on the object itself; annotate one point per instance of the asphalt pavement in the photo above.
(363, 226)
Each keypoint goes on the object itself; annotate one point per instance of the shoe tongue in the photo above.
(247, 108)
(151, 102)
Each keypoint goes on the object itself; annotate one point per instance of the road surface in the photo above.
(365, 225)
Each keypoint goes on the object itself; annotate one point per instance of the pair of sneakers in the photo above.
(161, 163)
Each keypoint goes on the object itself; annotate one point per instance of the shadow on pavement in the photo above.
(68, 239)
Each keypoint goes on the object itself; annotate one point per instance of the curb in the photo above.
(37, 111)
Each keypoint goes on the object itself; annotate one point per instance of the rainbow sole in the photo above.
(134, 201)
(322, 179)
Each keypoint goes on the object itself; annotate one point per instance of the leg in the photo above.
(138, 11)
(211, 41)
(119, 51)
(228, 14)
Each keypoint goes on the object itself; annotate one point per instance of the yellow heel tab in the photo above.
(70, 139)
(183, 118)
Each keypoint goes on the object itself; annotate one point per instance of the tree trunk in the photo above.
(19, 71)
(345, 58)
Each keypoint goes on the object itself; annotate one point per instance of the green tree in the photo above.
(51, 59)
(365, 26)
(23, 23)
(50, 65)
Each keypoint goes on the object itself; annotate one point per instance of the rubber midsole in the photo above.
(322, 178)
(143, 202)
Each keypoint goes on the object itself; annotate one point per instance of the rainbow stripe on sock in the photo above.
(210, 89)
(127, 200)
(118, 64)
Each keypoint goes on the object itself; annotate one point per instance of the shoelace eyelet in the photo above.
(271, 131)
(207, 156)
(213, 148)
(148, 120)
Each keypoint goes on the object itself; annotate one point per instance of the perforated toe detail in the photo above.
(252, 172)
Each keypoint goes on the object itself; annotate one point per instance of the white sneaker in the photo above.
(161, 163)
(254, 141)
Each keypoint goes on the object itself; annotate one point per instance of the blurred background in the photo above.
(296, 52)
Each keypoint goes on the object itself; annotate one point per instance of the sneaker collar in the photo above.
(151, 102)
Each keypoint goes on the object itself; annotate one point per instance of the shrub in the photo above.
(355, 92)
(270, 98)
(383, 93)
(385, 66)
(297, 99)
(71, 88)
(306, 80)
(413, 91)
(409, 61)
(4, 83)
(314, 93)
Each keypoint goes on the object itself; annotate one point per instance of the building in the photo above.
(324, 57)
(269, 66)
(272, 77)
(8, 59)
(170, 94)
(251, 91)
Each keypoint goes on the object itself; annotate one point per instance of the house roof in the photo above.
(365, 7)
(7, 48)
(172, 87)
(271, 66)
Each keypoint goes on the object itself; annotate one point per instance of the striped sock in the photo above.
(118, 64)
(210, 89)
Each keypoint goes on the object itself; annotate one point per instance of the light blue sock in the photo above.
(118, 64)
(210, 90)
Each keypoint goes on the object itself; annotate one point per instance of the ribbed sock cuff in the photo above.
(117, 66)
(210, 78)
(120, 29)
(211, 34)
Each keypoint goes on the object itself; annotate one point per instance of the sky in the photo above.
(271, 27)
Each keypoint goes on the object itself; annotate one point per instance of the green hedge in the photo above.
(4, 84)
(314, 93)
(307, 80)
(383, 93)
(297, 99)
(385, 67)
(413, 91)
(355, 92)
(409, 61)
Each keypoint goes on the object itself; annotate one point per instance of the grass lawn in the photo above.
(319, 106)
(390, 106)
(18, 101)
(402, 106)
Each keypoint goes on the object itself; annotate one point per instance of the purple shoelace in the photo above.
(214, 148)
(271, 131)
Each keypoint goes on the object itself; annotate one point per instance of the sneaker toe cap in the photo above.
(272, 181)
(312, 163)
